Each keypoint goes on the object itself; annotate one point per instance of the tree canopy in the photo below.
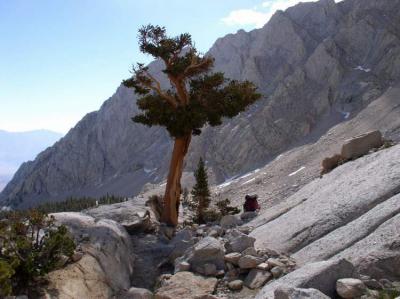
(196, 95)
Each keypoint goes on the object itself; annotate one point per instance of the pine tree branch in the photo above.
(181, 90)
(158, 90)
(204, 63)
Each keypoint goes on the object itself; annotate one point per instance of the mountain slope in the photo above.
(18, 147)
(292, 169)
(316, 63)
(351, 213)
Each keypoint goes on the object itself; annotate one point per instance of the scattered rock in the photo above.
(237, 241)
(297, 293)
(220, 231)
(220, 273)
(236, 285)
(213, 233)
(138, 293)
(230, 266)
(186, 285)
(350, 288)
(162, 280)
(257, 278)
(250, 251)
(249, 262)
(182, 266)
(230, 221)
(275, 263)
(361, 145)
(210, 269)
(330, 163)
(231, 275)
(233, 257)
(269, 252)
(264, 266)
(321, 276)
(180, 243)
(277, 272)
(76, 256)
(245, 229)
(207, 251)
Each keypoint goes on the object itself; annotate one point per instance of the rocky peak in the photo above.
(319, 19)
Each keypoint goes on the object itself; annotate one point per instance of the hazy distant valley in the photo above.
(19, 147)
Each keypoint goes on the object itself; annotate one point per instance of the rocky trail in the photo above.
(337, 234)
(150, 254)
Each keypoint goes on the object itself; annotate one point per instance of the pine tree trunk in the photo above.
(173, 188)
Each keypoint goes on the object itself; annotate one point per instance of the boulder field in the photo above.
(339, 234)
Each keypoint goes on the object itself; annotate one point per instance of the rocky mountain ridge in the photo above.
(318, 64)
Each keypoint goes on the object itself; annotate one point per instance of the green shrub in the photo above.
(31, 246)
(388, 294)
(211, 215)
(6, 273)
(225, 208)
(387, 143)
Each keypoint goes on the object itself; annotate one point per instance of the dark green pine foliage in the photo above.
(200, 191)
(196, 95)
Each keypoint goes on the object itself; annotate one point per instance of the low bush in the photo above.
(225, 208)
(210, 215)
(31, 246)
(389, 294)
(387, 143)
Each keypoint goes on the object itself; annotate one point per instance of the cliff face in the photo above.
(316, 63)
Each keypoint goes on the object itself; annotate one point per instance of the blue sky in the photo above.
(60, 59)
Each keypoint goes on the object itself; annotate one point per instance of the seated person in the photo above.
(251, 203)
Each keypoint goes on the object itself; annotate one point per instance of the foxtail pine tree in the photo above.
(196, 97)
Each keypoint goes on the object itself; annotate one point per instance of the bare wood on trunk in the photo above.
(173, 188)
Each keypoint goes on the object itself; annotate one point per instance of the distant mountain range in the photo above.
(19, 147)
